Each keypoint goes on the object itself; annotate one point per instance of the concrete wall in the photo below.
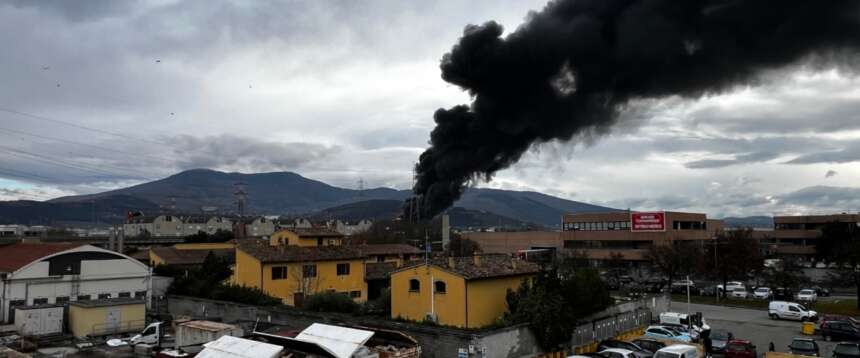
(435, 342)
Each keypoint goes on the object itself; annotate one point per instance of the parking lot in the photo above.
(755, 326)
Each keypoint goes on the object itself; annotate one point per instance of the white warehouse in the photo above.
(41, 274)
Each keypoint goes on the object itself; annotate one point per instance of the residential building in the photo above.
(349, 228)
(381, 261)
(294, 272)
(259, 227)
(38, 274)
(208, 224)
(467, 292)
(306, 237)
(299, 223)
(154, 226)
(504, 242)
(798, 235)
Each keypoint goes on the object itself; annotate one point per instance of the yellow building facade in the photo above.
(462, 292)
(306, 237)
(291, 272)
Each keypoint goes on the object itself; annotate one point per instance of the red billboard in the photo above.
(648, 221)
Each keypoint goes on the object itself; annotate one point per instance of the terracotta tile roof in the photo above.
(390, 249)
(379, 270)
(490, 266)
(284, 253)
(174, 256)
(16, 256)
(314, 232)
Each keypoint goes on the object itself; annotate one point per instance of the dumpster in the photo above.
(808, 328)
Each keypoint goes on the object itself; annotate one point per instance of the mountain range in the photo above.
(282, 193)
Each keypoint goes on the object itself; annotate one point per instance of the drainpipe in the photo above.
(433, 298)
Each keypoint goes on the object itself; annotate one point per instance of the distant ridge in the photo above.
(277, 193)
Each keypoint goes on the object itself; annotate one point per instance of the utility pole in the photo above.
(241, 196)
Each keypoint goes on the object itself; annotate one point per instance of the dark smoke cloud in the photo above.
(571, 68)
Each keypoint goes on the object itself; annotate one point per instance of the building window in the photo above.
(355, 294)
(140, 294)
(309, 271)
(40, 301)
(61, 300)
(83, 297)
(279, 273)
(414, 285)
(342, 269)
(440, 287)
(380, 258)
(124, 295)
(104, 296)
(15, 303)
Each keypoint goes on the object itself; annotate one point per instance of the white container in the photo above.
(39, 320)
(198, 332)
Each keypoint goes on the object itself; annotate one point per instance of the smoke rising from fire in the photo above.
(571, 68)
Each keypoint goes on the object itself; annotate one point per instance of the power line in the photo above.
(70, 124)
(112, 150)
(42, 158)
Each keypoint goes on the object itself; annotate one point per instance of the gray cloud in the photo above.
(830, 173)
(823, 198)
(242, 153)
(850, 152)
(739, 159)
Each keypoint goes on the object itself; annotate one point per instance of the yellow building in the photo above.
(466, 292)
(292, 272)
(108, 316)
(306, 237)
(397, 253)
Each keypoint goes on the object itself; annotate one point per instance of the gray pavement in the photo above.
(755, 326)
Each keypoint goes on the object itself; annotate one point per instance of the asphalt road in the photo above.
(755, 326)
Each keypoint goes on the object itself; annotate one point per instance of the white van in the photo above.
(677, 351)
(692, 322)
(790, 310)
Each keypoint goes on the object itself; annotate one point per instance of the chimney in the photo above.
(477, 260)
(446, 231)
(451, 262)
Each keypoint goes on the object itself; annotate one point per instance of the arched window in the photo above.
(440, 287)
(414, 285)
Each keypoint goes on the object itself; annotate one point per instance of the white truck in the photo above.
(190, 334)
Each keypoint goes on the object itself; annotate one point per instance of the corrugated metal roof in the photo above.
(232, 347)
(340, 341)
(208, 325)
(16, 256)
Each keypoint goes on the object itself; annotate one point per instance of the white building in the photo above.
(208, 224)
(38, 274)
(349, 228)
(154, 226)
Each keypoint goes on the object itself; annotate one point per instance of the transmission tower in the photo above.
(241, 196)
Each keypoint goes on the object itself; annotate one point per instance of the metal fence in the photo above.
(610, 327)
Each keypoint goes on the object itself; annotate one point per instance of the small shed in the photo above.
(39, 320)
(341, 342)
(107, 316)
(232, 347)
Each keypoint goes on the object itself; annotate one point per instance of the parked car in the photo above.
(662, 332)
(804, 347)
(821, 291)
(638, 351)
(790, 310)
(719, 339)
(591, 355)
(651, 345)
(731, 286)
(740, 348)
(846, 350)
(839, 330)
(821, 265)
(677, 351)
(739, 292)
(807, 295)
(708, 291)
(763, 293)
(839, 317)
(617, 353)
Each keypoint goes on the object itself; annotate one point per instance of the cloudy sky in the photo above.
(103, 94)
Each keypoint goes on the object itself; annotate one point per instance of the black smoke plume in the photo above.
(572, 67)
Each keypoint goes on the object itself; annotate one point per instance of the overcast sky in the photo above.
(102, 94)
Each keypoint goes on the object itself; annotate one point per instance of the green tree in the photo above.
(330, 302)
(556, 300)
(735, 254)
(203, 237)
(840, 243)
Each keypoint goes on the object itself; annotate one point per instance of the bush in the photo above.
(381, 305)
(242, 294)
(330, 302)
